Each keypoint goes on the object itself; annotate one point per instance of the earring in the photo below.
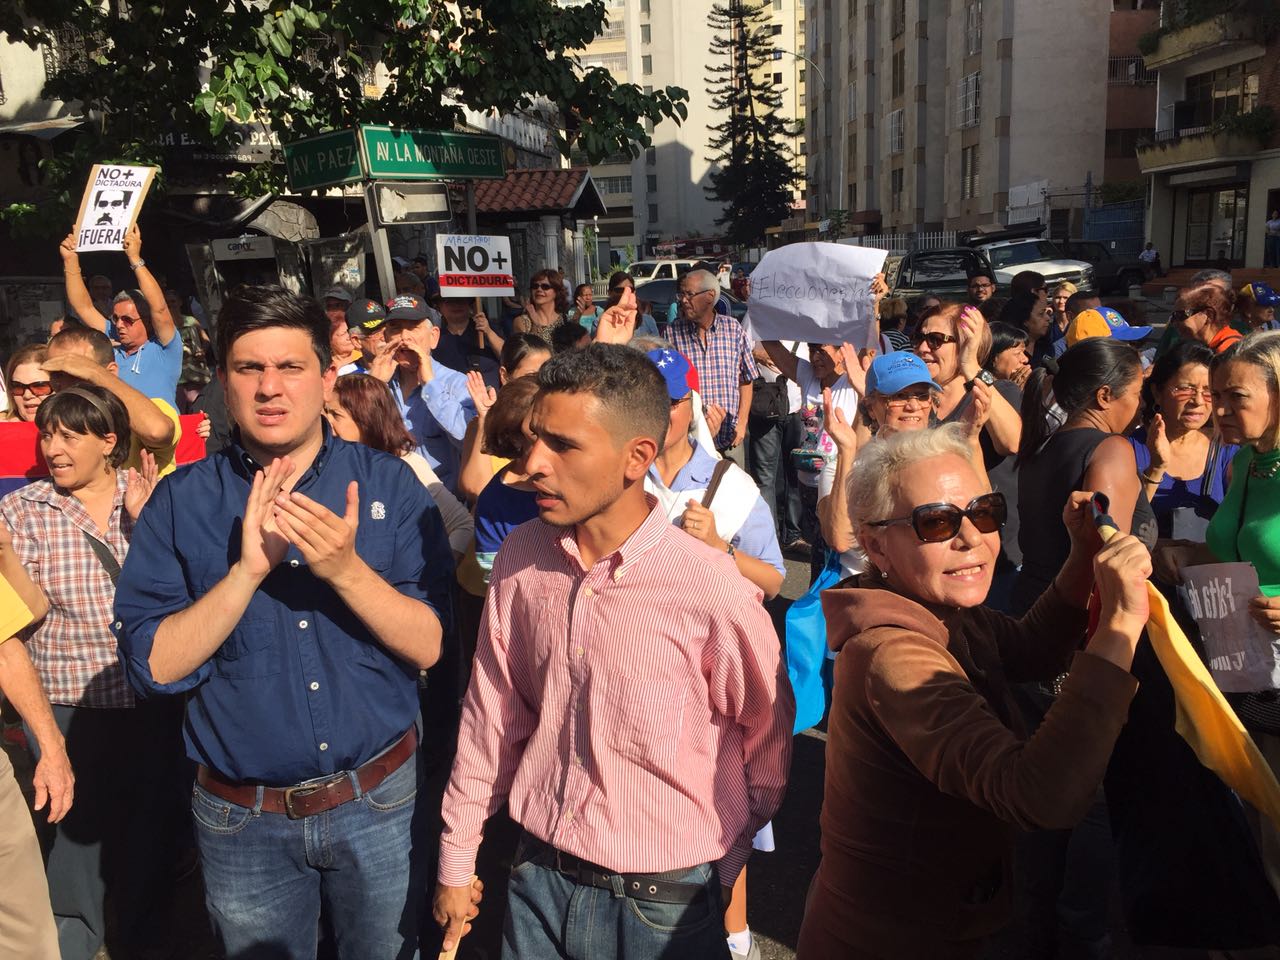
(884, 575)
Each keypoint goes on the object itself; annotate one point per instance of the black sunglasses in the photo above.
(936, 340)
(940, 522)
(541, 286)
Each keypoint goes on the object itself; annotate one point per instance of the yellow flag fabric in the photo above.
(14, 614)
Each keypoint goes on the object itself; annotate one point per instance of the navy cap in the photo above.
(408, 306)
(367, 314)
(897, 371)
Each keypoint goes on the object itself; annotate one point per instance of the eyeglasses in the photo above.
(541, 286)
(900, 400)
(981, 285)
(37, 388)
(936, 340)
(690, 296)
(1185, 391)
(940, 522)
(1178, 316)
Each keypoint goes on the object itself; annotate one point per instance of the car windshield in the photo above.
(642, 269)
(934, 269)
(1028, 252)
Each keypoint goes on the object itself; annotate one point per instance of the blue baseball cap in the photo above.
(676, 369)
(1261, 294)
(1102, 322)
(897, 371)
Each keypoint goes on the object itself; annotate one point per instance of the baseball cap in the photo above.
(1102, 322)
(366, 314)
(1261, 294)
(676, 369)
(897, 371)
(337, 293)
(408, 306)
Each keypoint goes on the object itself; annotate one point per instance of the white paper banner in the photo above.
(474, 266)
(112, 198)
(815, 293)
(1243, 657)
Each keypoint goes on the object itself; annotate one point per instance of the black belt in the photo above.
(650, 887)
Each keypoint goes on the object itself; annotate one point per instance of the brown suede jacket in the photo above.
(929, 770)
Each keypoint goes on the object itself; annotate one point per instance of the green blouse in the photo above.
(1247, 524)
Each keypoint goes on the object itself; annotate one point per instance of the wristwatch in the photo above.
(983, 375)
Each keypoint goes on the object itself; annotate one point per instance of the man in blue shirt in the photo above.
(433, 399)
(294, 585)
(149, 349)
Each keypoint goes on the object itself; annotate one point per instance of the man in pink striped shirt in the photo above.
(627, 699)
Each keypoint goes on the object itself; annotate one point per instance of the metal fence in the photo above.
(902, 243)
(1121, 226)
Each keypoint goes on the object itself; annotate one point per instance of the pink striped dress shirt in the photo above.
(634, 714)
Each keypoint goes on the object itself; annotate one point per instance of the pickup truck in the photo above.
(1114, 274)
(1011, 257)
(944, 272)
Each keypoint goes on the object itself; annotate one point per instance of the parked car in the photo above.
(1011, 257)
(662, 294)
(1114, 274)
(944, 272)
(660, 269)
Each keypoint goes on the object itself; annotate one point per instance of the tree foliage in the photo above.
(156, 69)
(755, 173)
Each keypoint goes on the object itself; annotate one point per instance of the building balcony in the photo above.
(1172, 149)
(1214, 35)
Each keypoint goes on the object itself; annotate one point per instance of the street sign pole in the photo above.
(381, 248)
(472, 228)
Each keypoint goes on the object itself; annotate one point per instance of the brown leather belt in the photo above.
(317, 796)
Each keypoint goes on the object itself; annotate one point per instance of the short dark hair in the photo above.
(250, 308)
(1004, 336)
(1075, 302)
(567, 336)
(625, 382)
(1027, 281)
(97, 341)
(976, 272)
(517, 347)
(88, 409)
(368, 402)
(504, 423)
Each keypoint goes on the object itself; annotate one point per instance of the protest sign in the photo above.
(474, 266)
(1243, 657)
(815, 293)
(112, 198)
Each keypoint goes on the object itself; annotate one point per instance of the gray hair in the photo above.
(645, 342)
(704, 279)
(139, 303)
(1210, 276)
(879, 463)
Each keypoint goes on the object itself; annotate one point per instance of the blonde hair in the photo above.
(1262, 349)
(870, 489)
(1066, 287)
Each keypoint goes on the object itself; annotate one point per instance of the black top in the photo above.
(462, 352)
(1000, 471)
(1045, 483)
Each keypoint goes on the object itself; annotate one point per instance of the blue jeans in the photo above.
(267, 878)
(769, 446)
(550, 916)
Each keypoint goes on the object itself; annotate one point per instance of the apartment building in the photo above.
(949, 114)
(660, 195)
(1214, 160)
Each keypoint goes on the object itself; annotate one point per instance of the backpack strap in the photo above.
(105, 557)
(723, 467)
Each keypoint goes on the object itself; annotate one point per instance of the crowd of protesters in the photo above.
(534, 557)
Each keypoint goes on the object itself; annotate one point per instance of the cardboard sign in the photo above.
(473, 266)
(815, 293)
(112, 198)
(1243, 657)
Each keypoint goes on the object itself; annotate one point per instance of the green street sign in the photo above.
(430, 155)
(326, 160)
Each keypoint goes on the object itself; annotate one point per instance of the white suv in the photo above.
(1011, 257)
(661, 269)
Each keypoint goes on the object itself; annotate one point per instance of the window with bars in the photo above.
(1129, 72)
(611, 62)
(896, 181)
(973, 27)
(969, 173)
(898, 18)
(969, 100)
(70, 50)
(613, 184)
(899, 76)
(653, 213)
(897, 131)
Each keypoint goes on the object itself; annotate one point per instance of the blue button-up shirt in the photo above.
(436, 413)
(301, 688)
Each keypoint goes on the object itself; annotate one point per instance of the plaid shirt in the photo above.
(724, 363)
(72, 648)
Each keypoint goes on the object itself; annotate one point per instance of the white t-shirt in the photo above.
(1149, 256)
(1273, 228)
(815, 442)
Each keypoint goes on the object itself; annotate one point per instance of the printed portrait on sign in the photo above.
(110, 208)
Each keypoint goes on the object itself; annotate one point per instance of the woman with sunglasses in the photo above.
(620, 283)
(26, 382)
(927, 779)
(1184, 469)
(1204, 313)
(548, 304)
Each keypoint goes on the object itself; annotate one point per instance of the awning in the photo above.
(42, 129)
(531, 193)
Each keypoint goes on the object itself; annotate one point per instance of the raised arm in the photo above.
(162, 323)
(147, 421)
(833, 504)
(77, 293)
(781, 357)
